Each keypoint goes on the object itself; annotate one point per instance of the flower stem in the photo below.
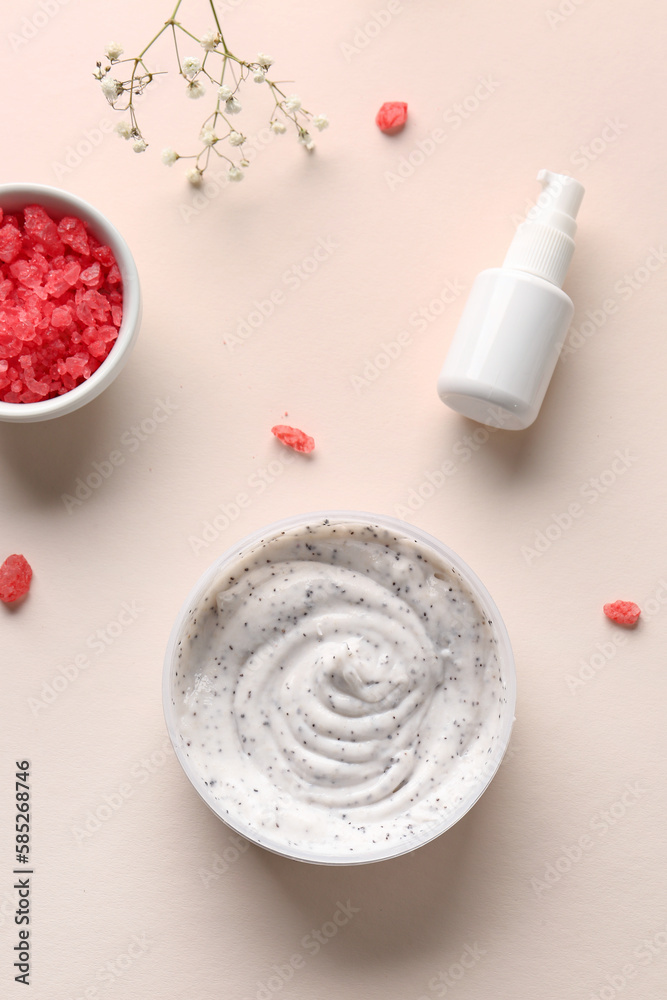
(217, 24)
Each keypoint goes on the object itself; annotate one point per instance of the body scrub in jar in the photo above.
(339, 688)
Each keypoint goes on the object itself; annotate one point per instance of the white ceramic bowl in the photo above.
(186, 679)
(14, 197)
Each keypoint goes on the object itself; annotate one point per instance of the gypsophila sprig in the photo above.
(113, 51)
(206, 59)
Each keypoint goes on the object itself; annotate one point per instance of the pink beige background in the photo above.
(554, 884)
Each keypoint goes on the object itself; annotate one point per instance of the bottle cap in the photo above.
(544, 243)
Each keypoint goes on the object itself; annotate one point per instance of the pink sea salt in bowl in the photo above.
(14, 198)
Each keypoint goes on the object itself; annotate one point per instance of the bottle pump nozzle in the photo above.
(544, 243)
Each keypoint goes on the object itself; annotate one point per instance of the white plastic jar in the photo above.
(339, 687)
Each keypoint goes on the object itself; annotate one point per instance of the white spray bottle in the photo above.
(516, 318)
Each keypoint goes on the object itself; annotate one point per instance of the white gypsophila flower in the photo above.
(123, 129)
(208, 136)
(195, 89)
(194, 176)
(191, 66)
(278, 127)
(321, 122)
(232, 106)
(139, 145)
(110, 88)
(169, 156)
(306, 139)
(113, 51)
(224, 92)
(209, 40)
(235, 138)
(245, 163)
(259, 76)
(235, 174)
(264, 60)
(293, 103)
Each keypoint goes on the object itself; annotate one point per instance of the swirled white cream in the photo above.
(338, 690)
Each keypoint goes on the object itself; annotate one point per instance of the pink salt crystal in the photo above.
(71, 272)
(116, 314)
(26, 273)
(83, 310)
(15, 577)
(61, 317)
(104, 255)
(7, 314)
(18, 269)
(41, 228)
(9, 346)
(92, 276)
(39, 388)
(10, 243)
(98, 349)
(107, 333)
(76, 364)
(56, 283)
(40, 262)
(113, 275)
(99, 304)
(391, 117)
(73, 232)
